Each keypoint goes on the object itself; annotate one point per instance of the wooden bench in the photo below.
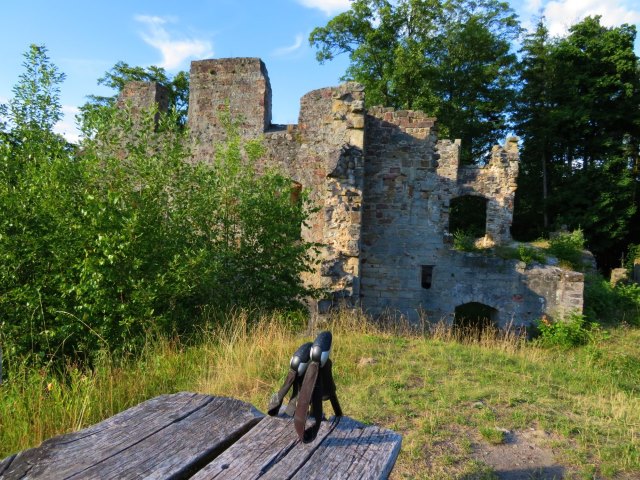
(189, 435)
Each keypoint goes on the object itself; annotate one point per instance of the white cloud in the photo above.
(67, 126)
(282, 51)
(329, 7)
(561, 14)
(174, 50)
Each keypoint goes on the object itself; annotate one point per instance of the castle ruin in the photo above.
(383, 184)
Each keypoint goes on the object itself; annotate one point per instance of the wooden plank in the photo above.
(4, 464)
(344, 448)
(170, 436)
(353, 450)
(270, 450)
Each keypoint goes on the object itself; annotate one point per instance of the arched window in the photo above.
(468, 214)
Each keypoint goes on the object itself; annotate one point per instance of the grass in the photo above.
(446, 396)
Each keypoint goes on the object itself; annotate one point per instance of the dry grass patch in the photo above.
(439, 390)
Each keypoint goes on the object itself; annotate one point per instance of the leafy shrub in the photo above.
(604, 303)
(529, 255)
(629, 302)
(633, 254)
(568, 248)
(464, 242)
(571, 331)
(599, 298)
(97, 248)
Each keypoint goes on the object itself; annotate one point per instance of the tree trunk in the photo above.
(545, 193)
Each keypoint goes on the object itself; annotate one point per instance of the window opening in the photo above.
(426, 276)
(468, 215)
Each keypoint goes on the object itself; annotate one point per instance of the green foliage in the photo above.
(633, 254)
(578, 118)
(568, 247)
(629, 302)
(600, 298)
(99, 247)
(451, 59)
(464, 242)
(529, 255)
(26, 122)
(36, 96)
(468, 213)
(568, 332)
(607, 304)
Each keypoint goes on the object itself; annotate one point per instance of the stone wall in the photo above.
(497, 182)
(520, 295)
(140, 96)
(410, 179)
(402, 222)
(322, 154)
(382, 185)
(239, 86)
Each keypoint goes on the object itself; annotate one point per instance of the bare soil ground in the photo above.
(524, 455)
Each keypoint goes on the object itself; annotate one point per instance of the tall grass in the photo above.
(439, 389)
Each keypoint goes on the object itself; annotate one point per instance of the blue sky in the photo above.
(85, 39)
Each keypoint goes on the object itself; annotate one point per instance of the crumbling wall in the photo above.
(409, 265)
(381, 185)
(141, 96)
(322, 154)
(497, 182)
(520, 295)
(402, 208)
(239, 86)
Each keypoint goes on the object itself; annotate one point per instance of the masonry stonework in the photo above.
(382, 184)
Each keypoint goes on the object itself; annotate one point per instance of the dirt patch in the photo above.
(522, 456)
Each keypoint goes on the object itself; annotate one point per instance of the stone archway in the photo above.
(474, 318)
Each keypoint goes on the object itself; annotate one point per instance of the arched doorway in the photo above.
(474, 318)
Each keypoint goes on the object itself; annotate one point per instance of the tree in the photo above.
(451, 58)
(27, 121)
(537, 126)
(580, 123)
(36, 96)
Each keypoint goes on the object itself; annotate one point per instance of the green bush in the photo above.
(568, 249)
(571, 331)
(633, 254)
(529, 255)
(628, 297)
(604, 303)
(98, 248)
(464, 242)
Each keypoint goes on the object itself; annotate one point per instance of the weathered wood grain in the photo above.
(344, 448)
(353, 450)
(177, 436)
(4, 464)
(170, 436)
(270, 450)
